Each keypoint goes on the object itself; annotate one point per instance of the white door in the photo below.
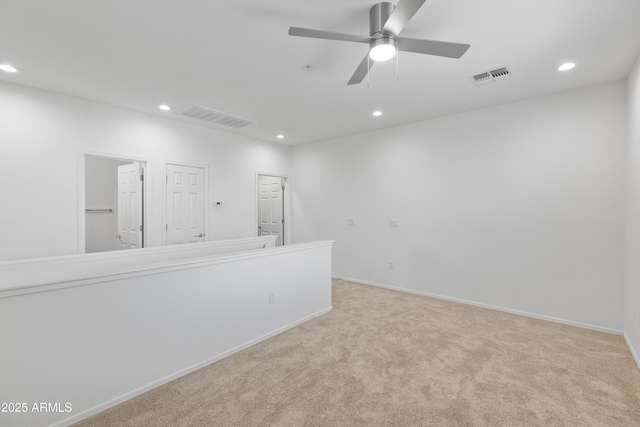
(270, 207)
(185, 204)
(129, 206)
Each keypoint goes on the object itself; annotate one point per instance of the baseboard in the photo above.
(491, 307)
(632, 350)
(182, 372)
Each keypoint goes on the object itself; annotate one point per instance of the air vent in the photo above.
(500, 73)
(199, 112)
(482, 79)
(491, 76)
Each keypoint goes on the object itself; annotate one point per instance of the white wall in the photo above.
(519, 206)
(632, 265)
(42, 134)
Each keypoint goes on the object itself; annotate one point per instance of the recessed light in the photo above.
(8, 68)
(566, 66)
(280, 136)
(165, 107)
(377, 113)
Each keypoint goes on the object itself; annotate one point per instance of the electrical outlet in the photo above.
(392, 265)
(272, 297)
(351, 221)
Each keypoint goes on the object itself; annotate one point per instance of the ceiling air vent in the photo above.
(500, 73)
(482, 79)
(491, 76)
(199, 112)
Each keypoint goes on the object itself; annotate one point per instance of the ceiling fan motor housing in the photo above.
(378, 16)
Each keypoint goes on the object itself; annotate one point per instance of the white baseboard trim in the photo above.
(632, 350)
(491, 307)
(182, 372)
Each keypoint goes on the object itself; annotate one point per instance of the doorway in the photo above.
(113, 204)
(271, 210)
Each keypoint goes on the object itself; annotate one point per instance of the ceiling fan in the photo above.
(386, 21)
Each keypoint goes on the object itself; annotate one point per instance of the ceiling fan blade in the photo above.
(432, 47)
(403, 12)
(319, 34)
(361, 71)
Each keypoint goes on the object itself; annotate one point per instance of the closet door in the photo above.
(185, 204)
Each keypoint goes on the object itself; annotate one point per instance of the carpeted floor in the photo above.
(388, 358)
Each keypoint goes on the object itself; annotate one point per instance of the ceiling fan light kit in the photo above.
(382, 49)
(386, 21)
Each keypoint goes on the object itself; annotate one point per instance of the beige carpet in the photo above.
(387, 358)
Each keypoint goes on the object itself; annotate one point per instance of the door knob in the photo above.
(119, 237)
(199, 235)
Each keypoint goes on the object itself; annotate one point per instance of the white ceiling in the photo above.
(237, 57)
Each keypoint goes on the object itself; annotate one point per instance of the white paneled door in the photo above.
(270, 207)
(129, 206)
(185, 204)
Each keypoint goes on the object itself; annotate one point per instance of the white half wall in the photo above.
(106, 335)
(632, 264)
(519, 206)
(43, 132)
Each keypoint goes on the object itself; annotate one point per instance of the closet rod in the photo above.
(109, 210)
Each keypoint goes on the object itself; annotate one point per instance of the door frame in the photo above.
(146, 188)
(286, 212)
(164, 196)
